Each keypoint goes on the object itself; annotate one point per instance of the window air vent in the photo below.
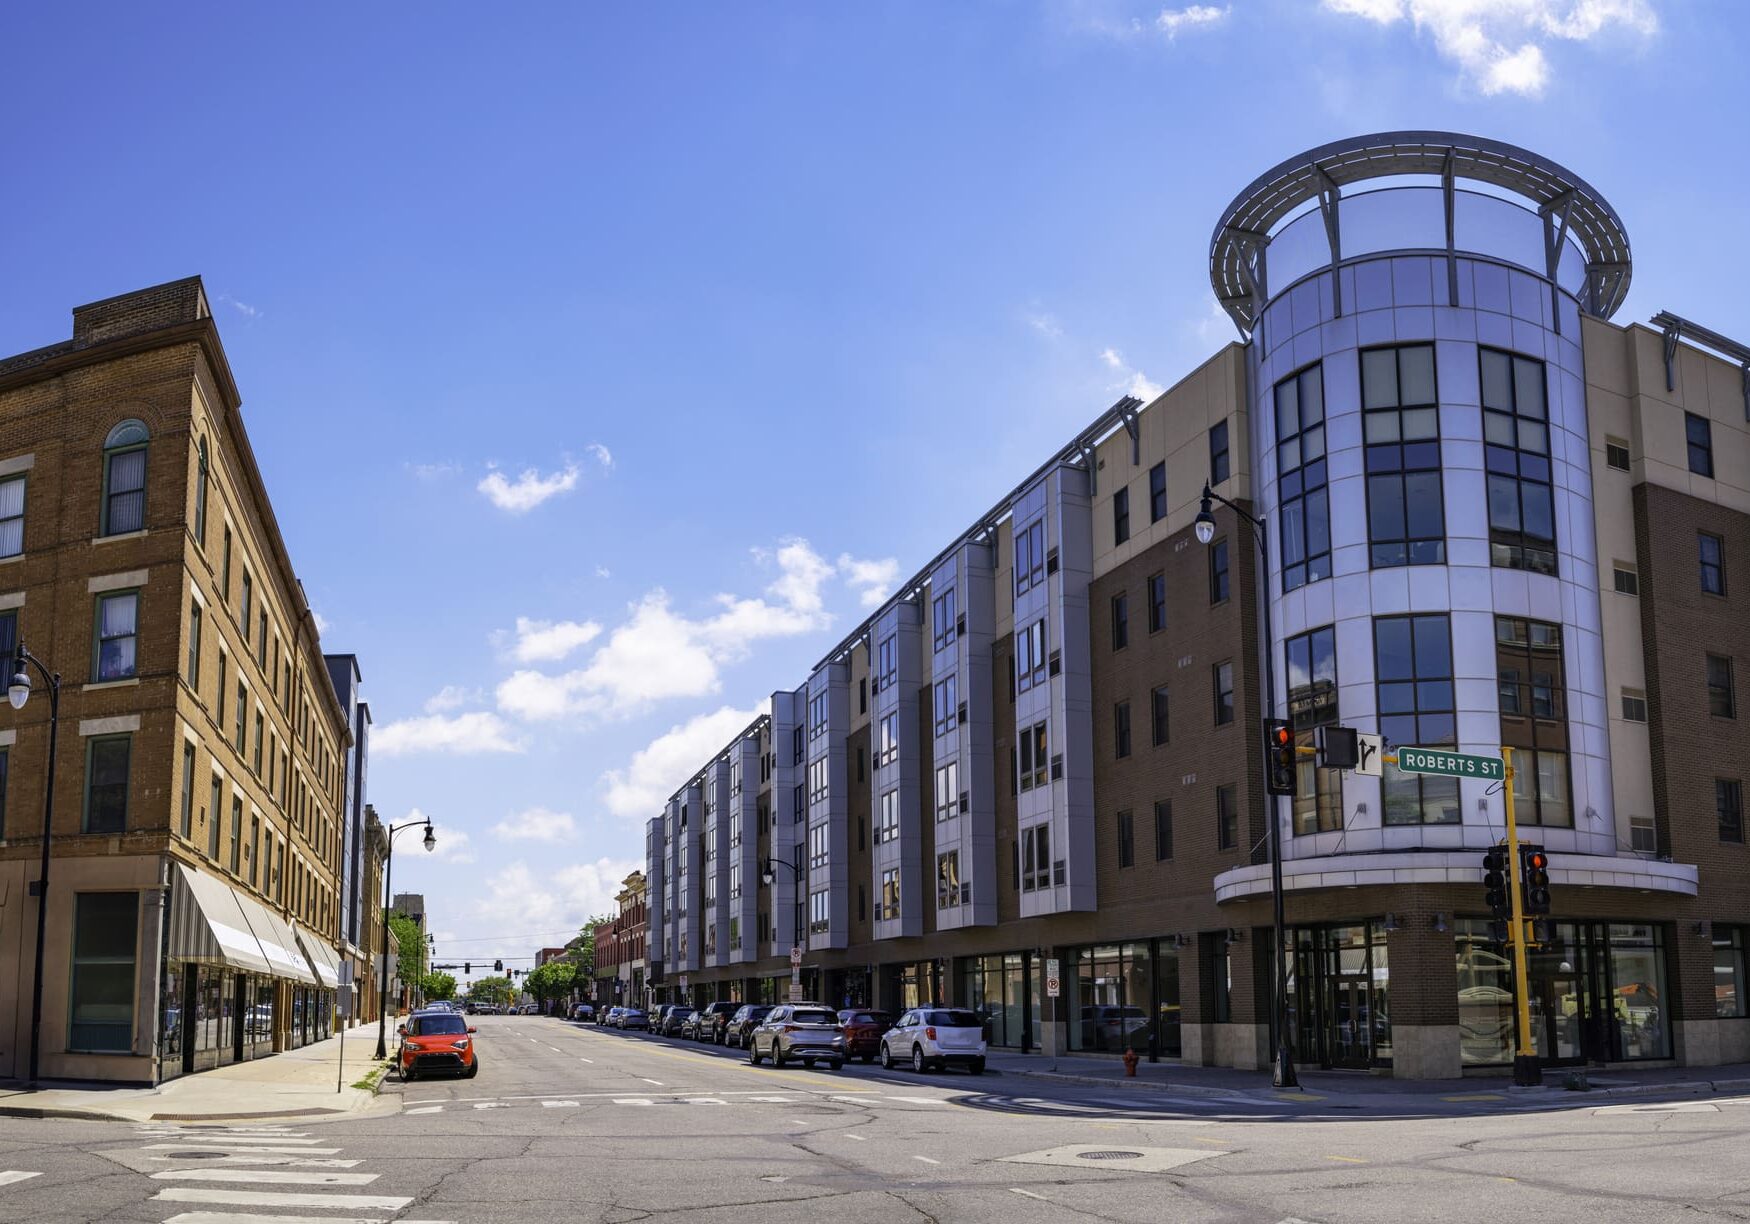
(1055, 664)
(960, 624)
(1057, 767)
(1057, 873)
(1051, 562)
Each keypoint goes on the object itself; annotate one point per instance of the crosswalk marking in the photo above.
(268, 1177)
(240, 1217)
(633, 1101)
(280, 1142)
(226, 1147)
(266, 1198)
(492, 1105)
(559, 1105)
(425, 1109)
(250, 1158)
(8, 1176)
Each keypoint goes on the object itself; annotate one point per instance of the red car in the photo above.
(862, 1029)
(436, 1041)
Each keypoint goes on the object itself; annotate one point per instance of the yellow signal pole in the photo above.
(1526, 1071)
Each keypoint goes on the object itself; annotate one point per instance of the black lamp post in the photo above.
(18, 692)
(1282, 1075)
(388, 874)
(767, 875)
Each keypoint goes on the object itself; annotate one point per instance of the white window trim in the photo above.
(16, 465)
(12, 599)
(117, 582)
(109, 726)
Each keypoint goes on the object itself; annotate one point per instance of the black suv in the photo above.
(708, 1023)
(742, 1024)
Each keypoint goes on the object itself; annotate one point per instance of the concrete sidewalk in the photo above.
(295, 1084)
(1225, 1082)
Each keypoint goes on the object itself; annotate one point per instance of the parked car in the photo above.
(582, 1011)
(862, 1029)
(610, 1017)
(674, 1024)
(808, 1032)
(709, 1022)
(929, 1037)
(632, 1018)
(743, 1022)
(436, 1041)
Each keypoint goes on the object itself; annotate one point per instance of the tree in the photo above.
(439, 986)
(582, 949)
(408, 935)
(553, 980)
(492, 990)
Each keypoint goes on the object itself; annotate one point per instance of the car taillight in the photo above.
(930, 1033)
(790, 1028)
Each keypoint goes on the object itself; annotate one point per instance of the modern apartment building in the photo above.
(1495, 518)
(344, 674)
(193, 904)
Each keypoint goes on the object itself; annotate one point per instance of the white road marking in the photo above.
(913, 1100)
(243, 1217)
(8, 1176)
(223, 1147)
(591, 1061)
(858, 1138)
(265, 1198)
(1028, 1194)
(425, 1109)
(556, 1049)
(798, 1121)
(705, 1101)
(285, 1142)
(492, 1105)
(772, 1100)
(632, 1101)
(658, 1083)
(927, 1159)
(559, 1105)
(290, 1162)
(268, 1177)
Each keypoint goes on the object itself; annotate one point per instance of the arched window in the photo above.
(124, 478)
(200, 500)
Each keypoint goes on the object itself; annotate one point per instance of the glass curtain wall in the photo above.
(1126, 996)
(1340, 996)
(1005, 990)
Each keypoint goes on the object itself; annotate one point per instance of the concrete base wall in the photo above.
(1426, 1051)
(1245, 1046)
(1709, 1043)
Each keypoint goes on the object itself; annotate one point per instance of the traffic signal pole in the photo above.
(1526, 1071)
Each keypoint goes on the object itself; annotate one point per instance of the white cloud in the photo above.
(529, 489)
(1498, 45)
(453, 845)
(660, 653)
(537, 824)
(658, 769)
(601, 455)
(450, 697)
(539, 641)
(242, 308)
(517, 900)
(463, 734)
(322, 625)
(1045, 324)
(1192, 17)
(434, 471)
(1131, 382)
(602, 571)
(873, 579)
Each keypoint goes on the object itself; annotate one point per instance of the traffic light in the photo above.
(1534, 879)
(498, 966)
(1280, 755)
(467, 969)
(1495, 884)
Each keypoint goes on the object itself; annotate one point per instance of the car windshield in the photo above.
(427, 1026)
(681, 1011)
(866, 1018)
(955, 1019)
(813, 1017)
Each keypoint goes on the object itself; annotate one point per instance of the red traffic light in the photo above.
(1281, 734)
(1537, 860)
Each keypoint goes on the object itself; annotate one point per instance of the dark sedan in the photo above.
(862, 1029)
(742, 1024)
(674, 1021)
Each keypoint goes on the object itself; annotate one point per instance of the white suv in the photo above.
(929, 1037)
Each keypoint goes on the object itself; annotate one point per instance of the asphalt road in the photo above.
(578, 1124)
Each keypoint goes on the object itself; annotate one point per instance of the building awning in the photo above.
(207, 924)
(278, 943)
(322, 958)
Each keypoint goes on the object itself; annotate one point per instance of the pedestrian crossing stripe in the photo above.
(238, 1217)
(268, 1177)
(267, 1198)
(8, 1176)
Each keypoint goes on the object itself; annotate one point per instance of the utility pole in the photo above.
(1526, 1071)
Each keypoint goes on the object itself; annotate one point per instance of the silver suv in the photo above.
(805, 1031)
(929, 1037)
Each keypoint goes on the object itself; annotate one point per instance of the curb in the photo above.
(1065, 1077)
(73, 1115)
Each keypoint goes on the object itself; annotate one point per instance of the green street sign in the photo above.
(1450, 764)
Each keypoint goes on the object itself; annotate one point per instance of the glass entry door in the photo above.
(1339, 991)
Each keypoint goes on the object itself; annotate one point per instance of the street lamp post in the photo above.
(1282, 1074)
(767, 875)
(18, 692)
(388, 875)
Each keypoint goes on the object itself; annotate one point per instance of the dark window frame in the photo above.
(1698, 440)
(1518, 473)
(1303, 510)
(1121, 515)
(1428, 789)
(1713, 570)
(1220, 461)
(1157, 492)
(1406, 508)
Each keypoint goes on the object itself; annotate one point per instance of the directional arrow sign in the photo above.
(1450, 764)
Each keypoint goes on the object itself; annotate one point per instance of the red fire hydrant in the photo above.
(1130, 1062)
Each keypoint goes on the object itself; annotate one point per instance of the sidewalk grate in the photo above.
(1109, 1155)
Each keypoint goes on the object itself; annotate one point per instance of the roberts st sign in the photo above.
(1452, 764)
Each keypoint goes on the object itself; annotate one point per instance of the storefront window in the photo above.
(1169, 1039)
(170, 1018)
(1638, 1000)
(1113, 992)
(1729, 998)
(260, 1030)
(996, 988)
(101, 994)
(1485, 996)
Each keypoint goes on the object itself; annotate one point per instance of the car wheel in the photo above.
(976, 1066)
(777, 1055)
(886, 1057)
(867, 1059)
(809, 1063)
(473, 1069)
(918, 1063)
(408, 1075)
(753, 1054)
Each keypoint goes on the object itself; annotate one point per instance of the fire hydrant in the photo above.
(1130, 1062)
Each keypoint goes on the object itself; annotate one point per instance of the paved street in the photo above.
(579, 1124)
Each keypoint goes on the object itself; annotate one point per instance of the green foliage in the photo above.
(492, 990)
(582, 949)
(411, 939)
(439, 986)
(553, 980)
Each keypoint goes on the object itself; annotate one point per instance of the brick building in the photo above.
(1495, 519)
(193, 902)
(620, 946)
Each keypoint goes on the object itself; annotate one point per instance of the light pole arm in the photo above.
(388, 877)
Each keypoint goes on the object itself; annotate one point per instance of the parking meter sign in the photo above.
(1053, 983)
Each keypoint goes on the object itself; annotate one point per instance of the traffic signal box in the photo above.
(1495, 893)
(1279, 753)
(1534, 893)
(1534, 879)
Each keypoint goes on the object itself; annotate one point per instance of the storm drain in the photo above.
(1108, 1155)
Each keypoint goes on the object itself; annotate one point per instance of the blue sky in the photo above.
(604, 363)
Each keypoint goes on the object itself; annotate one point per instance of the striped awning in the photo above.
(322, 958)
(207, 924)
(278, 943)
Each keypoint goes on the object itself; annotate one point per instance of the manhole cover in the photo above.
(1108, 1155)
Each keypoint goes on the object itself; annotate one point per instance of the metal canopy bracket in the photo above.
(1127, 413)
(1449, 196)
(1330, 196)
(1554, 234)
(1673, 330)
(1678, 328)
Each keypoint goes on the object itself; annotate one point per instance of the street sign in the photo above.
(1053, 984)
(795, 954)
(683, 983)
(1450, 764)
(1368, 751)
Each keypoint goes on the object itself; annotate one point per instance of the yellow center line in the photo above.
(1476, 1096)
(1347, 1159)
(1298, 1096)
(731, 1065)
